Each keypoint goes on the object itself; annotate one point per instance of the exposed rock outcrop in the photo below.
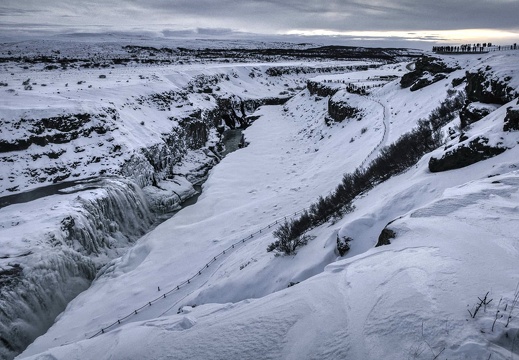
(484, 86)
(343, 245)
(464, 154)
(285, 70)
(234, 111)
(321, 89)
(473, 112)
(385, 236)
(428, 70)
(339, 110)
(512, 119)
(56, 130)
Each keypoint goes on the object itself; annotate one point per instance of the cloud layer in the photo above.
(341, 17)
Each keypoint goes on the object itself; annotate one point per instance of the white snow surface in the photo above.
(36, 241)
(456, 240)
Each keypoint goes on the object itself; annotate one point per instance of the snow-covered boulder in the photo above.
(427, 71)
(339, 109)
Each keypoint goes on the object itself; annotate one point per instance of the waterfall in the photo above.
(30, 302)
(106, 217)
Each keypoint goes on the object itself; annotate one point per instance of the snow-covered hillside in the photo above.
(202, 284)
(94, 150)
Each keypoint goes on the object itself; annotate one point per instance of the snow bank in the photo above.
(405, 300)
(53, 247)
(455, 241)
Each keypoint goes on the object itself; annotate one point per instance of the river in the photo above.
(232, 139)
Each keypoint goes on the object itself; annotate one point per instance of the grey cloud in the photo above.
(12, 11)
(214, 31)
(178, 33)
(269, 16)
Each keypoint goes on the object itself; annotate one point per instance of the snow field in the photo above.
(246, 204)
(362, 306)
(456, 239)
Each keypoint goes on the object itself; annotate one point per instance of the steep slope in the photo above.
(405, 300)
(92, 158)
(455, 240)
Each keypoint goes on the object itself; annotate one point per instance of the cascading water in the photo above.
(30, 302)
(108, 215)
(108, 218)
(43, 272)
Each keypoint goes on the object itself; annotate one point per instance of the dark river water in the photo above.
(231, 139)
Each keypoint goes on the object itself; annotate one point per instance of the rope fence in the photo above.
(384, 120)
(198, 273)
(227, 250)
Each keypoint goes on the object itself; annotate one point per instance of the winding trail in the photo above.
(383, 141)
(168, 300)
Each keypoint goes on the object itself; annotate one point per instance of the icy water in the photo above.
(232, 141)
(44, 191)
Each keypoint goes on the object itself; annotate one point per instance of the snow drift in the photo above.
(455, 242)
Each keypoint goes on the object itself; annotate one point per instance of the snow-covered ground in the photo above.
(105, 131)
(101, 152)
(456, 239)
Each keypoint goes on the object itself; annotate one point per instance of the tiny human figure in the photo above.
(158, 287)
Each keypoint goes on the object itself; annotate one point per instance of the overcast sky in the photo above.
(393, 20)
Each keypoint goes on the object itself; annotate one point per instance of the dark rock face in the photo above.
(233, 111)
(426, 81)
(410, 78)
(481, 86)
(286, 70)
(338, 111)
(343, 245)
(196, 133)
(471, 114)
(164, 101)
(511, 119)
(320, 89)
(385, 236)
(57, 130)
(467, 154)
(428, 70)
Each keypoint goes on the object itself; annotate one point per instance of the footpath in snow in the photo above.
(456, 240)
